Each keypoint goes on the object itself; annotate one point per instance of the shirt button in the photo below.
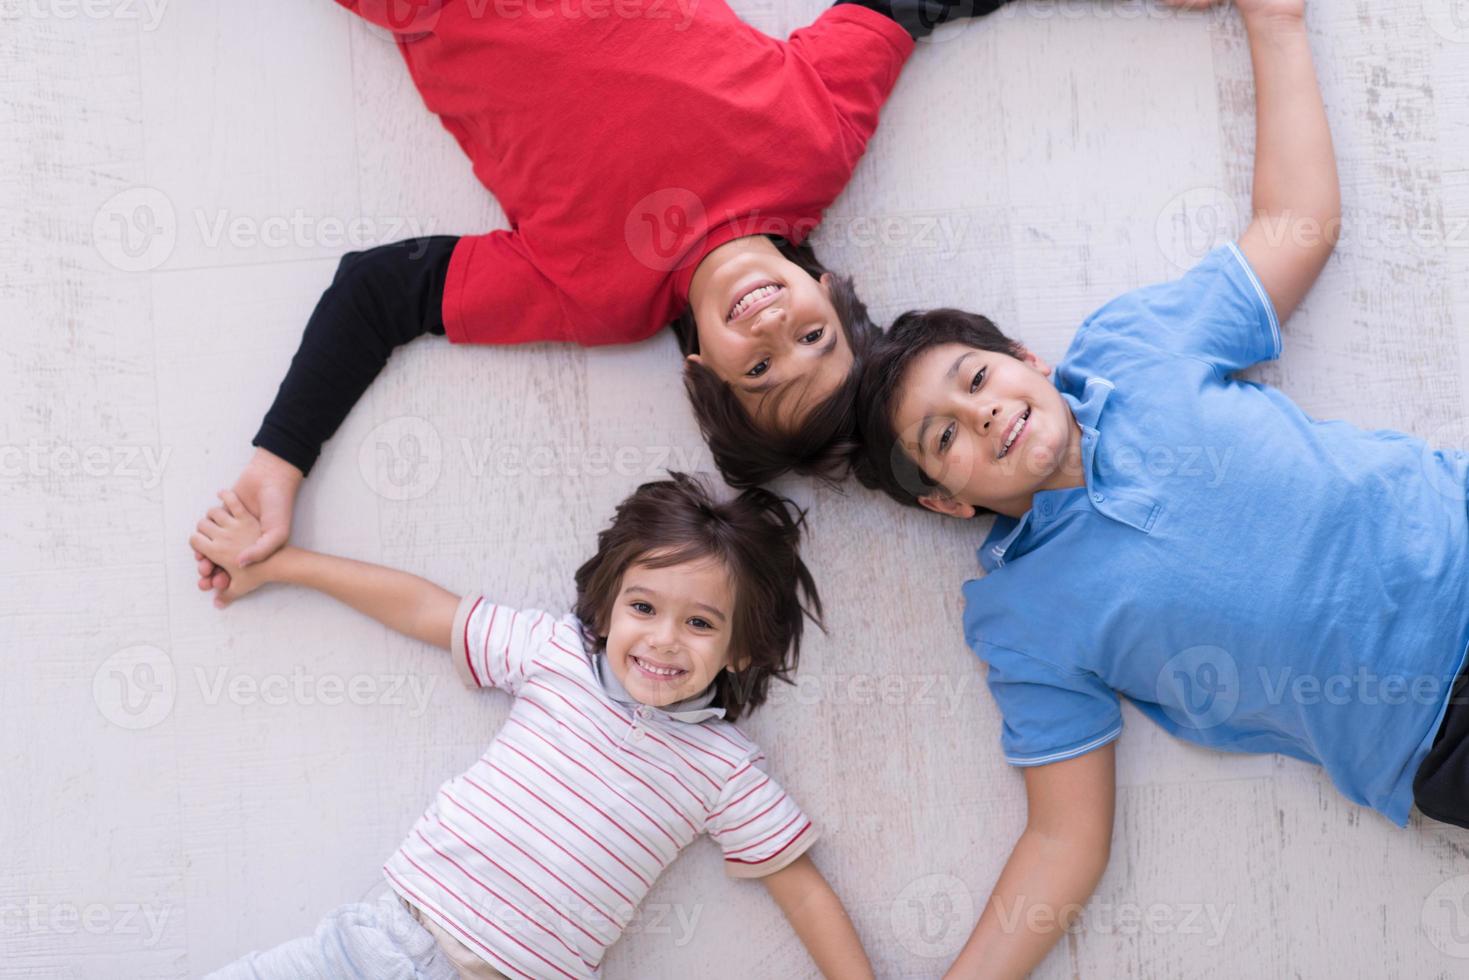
(1099, 497)
(1046, 507)
(639, 735)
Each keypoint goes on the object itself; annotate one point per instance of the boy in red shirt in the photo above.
(657, 165)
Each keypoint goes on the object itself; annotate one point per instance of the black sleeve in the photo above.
(378, 300)
(920, 17)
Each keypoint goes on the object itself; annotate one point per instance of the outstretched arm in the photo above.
(819, 918)
(1052, 871)
(1297, 196)
(379, 300)
(920, 17)
(406, 603)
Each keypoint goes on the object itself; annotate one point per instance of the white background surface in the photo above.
(157, 821)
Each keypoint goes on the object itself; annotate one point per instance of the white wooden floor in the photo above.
(180, 785)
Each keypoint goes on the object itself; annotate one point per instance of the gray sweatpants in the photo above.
(377, 940)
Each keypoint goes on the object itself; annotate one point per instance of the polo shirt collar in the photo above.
(691, 710)
(1110, 493)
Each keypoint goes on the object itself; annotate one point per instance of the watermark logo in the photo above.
(1199, 688)
(943, 695)
(662, 228)
(138, 230)
(547, 461)
(1446, 917)
(933, 915)
(147, 12)
(1449, 19)
(402, 458)
(135, 230)
(36, 917)
(1117, 918)
(1206, 465)
(399, 20)
(305, 231)
(567, 916)
(1118, 10)
(1196, 222)
(1447, 470)
(391, 913)
(301, 687)
(944, 233)
(135, 688)
(42, 461)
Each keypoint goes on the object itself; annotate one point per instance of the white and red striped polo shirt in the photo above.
(537, 857)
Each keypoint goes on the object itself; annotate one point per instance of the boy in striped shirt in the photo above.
(618, 752)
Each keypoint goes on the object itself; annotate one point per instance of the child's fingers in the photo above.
(219, 515)
(233, 504)
(221, 590)
(269, 542)
(220, 581)
(204, 530)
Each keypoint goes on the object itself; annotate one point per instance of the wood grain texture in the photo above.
(181, 786)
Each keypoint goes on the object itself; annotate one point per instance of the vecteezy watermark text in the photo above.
(36, 459)
(38, 917)
(302, 687)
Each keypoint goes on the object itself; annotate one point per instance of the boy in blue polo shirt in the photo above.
(1252, 579)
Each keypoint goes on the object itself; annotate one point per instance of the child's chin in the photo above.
(659, 696)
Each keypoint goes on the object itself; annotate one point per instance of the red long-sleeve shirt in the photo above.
(625, 139)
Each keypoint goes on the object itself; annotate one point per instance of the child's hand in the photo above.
(220, 538)
(1249, 8)
(268, 488)
(1257, 9)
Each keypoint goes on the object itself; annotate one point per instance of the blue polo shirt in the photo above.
(1253, 579)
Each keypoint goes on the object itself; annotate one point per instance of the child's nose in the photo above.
(663, 637)
(767, 320)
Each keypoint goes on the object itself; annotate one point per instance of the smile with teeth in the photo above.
(751, 297)
(656, 670)
(1014, 433)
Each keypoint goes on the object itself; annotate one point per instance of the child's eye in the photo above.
(814, 336)
(641, 607)
(758, 369)
(978, 380)
(946, 437)
(701, 624)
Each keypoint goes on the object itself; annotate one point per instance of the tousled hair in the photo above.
(823, 443)
(880, 462)
(755, 536)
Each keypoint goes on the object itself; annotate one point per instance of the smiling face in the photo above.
(670, 628)
(989, 428)
(769, 330)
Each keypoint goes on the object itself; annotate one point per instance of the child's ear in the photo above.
(943, 504)
(694, 359)
(741, 664)
(825, 282)
(1035, 360)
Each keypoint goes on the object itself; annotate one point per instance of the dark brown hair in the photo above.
(756, 536)
(881, 463)
(822, 444)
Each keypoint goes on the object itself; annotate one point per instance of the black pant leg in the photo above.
(1441, 785)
